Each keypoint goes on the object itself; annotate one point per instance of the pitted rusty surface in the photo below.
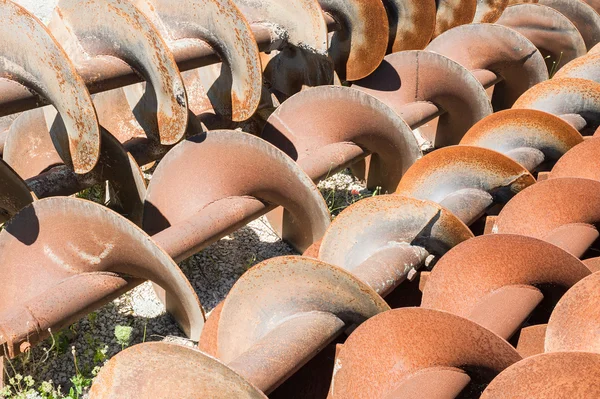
(408, 78)
(564, 96)
(303, 128)
(582, 15)
(28, 148)
(549, 376)
(573, 325)
(452, 13)
(595, 4)
(551, 32)
(582, 67)
(234, 191)
(302, 61)
(300, 20)
(457, 169)
(221, 25)
(34, 59)
(518, 129)
(582, 161)
(498, 49)
(489, 11)
(283, 312)
(494, 268)
(29, 151)
(127, 34)
(43, 245)
(358, 48)
(367, 230)
(389, 351)
(412, 23)
(319, 289)
(534, 212)
(196, 373)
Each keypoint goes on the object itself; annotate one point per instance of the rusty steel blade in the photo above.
(498, 49)
(213, 183)
(125, 33)
(488, 11)
(581, 161)
(52, 252)
(232, 93)
(531, 340)
(574, 323)
(32, 57)
(29, 150)
(410, 80)
(465, 180)
(549, 376)
(452, 13)
(359, 46)
(582, 15)
(303, 128)
(298, 306)
(583, 67)
(595, 4)
(410, 352)
(115, 115)
(565, 96)
(551, 32)
(412, 23)
(494, 279)
(15, 193)
(381, 239)
(168, 370)
(303, 60)
(533, 138)
(561, 211)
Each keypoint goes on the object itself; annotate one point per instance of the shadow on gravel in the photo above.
(213, 271)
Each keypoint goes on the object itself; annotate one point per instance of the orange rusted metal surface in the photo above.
(557, 38)
(552, 375)
(533, 138)
(495, 49)
(401, 352)
(172, 82)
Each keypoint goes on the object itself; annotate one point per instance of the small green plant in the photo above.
(145, 326)
(250, 261)
(21, 384)
(92, 317)
(95, 193)
(338, 199)
(80, 382)
(123, 335)
(555, 64)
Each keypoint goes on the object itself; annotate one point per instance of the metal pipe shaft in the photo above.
(108, 75)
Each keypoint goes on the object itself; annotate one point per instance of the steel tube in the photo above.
(103, 75)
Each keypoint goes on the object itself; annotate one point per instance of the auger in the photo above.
(452, 379)
(552, 375)
(140, 118)
(438, 95)
(139, 139)
(505, 278)
(179, 230)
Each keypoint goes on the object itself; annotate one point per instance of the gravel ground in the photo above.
(212, 272)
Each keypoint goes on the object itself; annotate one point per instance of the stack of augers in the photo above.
(510, 313)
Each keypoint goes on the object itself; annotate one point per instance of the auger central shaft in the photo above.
(109, 75)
